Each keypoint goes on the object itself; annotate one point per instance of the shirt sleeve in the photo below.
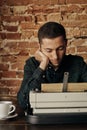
(83, 71)
(32, 79)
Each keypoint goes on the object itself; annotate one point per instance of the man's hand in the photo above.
(42, 58)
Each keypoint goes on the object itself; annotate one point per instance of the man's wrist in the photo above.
(43, 65)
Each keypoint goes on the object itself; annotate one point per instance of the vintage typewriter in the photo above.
(59, 103)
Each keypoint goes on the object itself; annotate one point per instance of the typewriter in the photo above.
(59, 103)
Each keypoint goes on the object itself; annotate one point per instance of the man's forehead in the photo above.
(59, 38)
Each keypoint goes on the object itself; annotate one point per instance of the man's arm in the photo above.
(83, 71)
(32, 78)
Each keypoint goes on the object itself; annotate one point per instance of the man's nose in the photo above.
(55, 55)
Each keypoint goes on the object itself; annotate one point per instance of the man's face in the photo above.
(54, 49)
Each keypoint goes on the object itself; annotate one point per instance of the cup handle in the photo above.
(12, 109)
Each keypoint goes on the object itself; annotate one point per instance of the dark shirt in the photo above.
(34, 76)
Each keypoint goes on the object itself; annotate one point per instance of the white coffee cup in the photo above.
(6, 108)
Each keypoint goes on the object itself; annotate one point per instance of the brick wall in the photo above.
(19, 22)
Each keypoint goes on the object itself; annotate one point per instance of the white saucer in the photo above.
(10, 116)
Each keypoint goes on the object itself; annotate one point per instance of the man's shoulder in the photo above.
(74, 57)
(31, 60)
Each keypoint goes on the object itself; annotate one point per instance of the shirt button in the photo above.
(43, 76)
(54, 73)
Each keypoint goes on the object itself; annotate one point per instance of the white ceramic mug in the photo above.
(6, 108)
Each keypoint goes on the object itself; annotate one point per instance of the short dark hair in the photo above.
(51, 30)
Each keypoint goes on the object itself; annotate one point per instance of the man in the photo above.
(50, 62)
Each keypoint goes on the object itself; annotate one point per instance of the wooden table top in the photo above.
(19, 123)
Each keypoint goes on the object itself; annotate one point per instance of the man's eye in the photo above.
(49, 50)
(61, 48)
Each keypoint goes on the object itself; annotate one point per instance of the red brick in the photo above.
(27, 45)
(28, 18)
(37, 9)
(23, 53)
(13, 36)
(9, 74)
(16, 18)
(9, 51)
(78, 42)
(72, 23)
(9, 93)
(11, 59)
(2, 52)
(70, 50)
(21, 58)
(53, 2)
(71, 11)
(76, 32)
(43, 2)
(4, 91)
(17, 66)
(11, 28)
(82, 17)
(0, 30)
(21, 45)
(4, 67)
(13, 91)
(82, 49)
(76, 1)
(40, 18)
(0, 75)
(18, 2)
(5, 10)
(1, 85)
(75, 8)
(2, 35)
(56, 17)
(32, 51)
(45, 9)
(85, 7)
(69, 33)
(62, 1)
(2, 2)
(29, 25)
(83, 32)
(11, 45)
(20, 74)
(15, 62)
(11, 82)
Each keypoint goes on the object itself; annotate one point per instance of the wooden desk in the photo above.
(19, 123)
